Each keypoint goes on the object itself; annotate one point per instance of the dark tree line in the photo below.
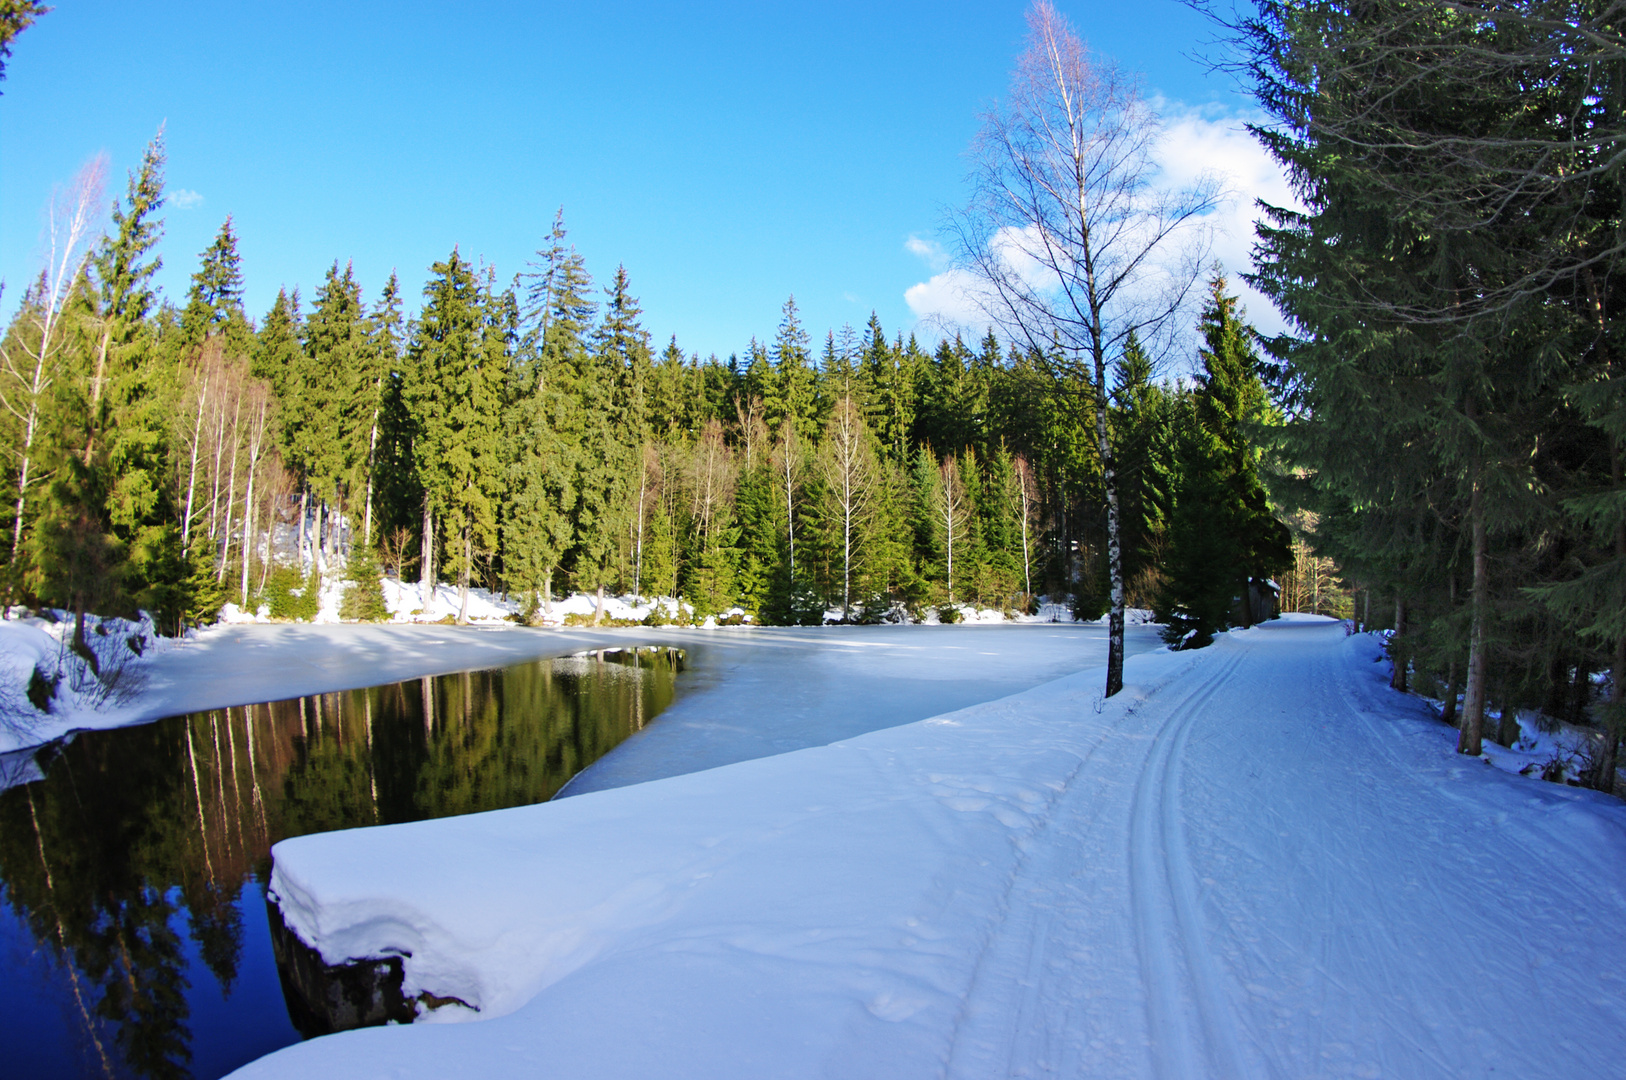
(1453, 385)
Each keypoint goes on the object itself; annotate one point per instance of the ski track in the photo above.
(1168, 918)
(1305, 884)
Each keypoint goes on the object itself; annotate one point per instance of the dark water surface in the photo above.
(133, 934)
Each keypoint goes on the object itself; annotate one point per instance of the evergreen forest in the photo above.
(527, 435)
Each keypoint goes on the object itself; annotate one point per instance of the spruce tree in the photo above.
(791, 392)
(457, 358)
(384, 330)
(1225, 539)
(214, 302)
(364, 595)
(131, 399)
(334, 408)
(622, 345)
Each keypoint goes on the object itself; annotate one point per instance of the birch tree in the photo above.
(1072, 241)
(847, 462)
(29, 360)
(949, 507)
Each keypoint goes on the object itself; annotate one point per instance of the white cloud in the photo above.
(928, 250)
(946, 302)
(182, 199)
(1199, 141)
(1196, 142)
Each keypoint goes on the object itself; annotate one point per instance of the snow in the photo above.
(79, 695)
(247, 657)
(1256, 861)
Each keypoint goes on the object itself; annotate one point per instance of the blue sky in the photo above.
(728, 154)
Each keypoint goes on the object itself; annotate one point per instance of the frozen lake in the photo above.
(759, 692)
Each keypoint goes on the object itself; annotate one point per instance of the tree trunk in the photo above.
(192, 474)
(1027, 573)
(231, 496)
(1507, 724)
(463, 577)
(1397, 650)
(372, 455)
(80, 645)
(638, 551)
(318, 541)
(304, 513)
(426, 557)
(846, 553)
(1115, 561)
(1615, 717)
(598, 609)
(1473, 702)
(22, 484)
(1613, 721)
(1453, 687)
(248, 514)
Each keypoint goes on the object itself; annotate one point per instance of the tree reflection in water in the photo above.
(126, 866)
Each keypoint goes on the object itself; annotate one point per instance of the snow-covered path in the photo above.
(1257, 861)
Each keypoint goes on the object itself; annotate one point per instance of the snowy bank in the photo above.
(1255, 861)
(245, 663)
(48, 688)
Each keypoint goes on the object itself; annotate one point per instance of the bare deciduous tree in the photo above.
(1074, 242)
(28, 360)
(1026, 503)
(787, 474)
(848, 465)
(948, 497)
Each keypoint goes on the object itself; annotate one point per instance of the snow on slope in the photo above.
(1255, 862)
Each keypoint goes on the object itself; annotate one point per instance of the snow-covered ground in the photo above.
(1256, 861)
(408, 603)
(38, 666)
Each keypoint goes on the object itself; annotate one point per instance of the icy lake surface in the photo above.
(757, 693)
(147, 863)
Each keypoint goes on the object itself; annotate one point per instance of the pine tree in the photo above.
(1225, 538)
(214, 302)
(132, 390)
(791, 392)
(458, 363)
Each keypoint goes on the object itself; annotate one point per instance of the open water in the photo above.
(133, 932)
